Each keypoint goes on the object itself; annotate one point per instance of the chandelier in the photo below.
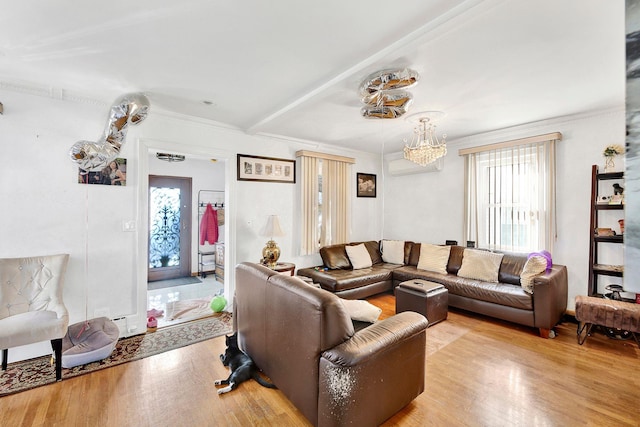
(425, 147)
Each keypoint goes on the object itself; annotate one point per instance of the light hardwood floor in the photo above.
(480, 372)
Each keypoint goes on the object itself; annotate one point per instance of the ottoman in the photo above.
(619, 315)
(427, 298)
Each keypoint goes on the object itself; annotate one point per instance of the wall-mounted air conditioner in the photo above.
(400, 167)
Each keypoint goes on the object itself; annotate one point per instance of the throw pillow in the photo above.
(358, 256)
(393, 251)
(535, 265)
(480, 265)
(434, 258)
(361, 310)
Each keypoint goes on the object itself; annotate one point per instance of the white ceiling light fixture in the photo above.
(167, 157)
(425, 147)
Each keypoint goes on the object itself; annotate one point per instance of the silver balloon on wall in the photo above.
(129, 109)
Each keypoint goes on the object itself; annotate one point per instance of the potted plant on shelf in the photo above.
(609, 153)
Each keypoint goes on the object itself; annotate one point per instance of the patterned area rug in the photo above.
(31, 373)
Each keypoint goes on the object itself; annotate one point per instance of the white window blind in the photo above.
(510, 194)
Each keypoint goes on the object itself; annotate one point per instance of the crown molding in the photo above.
(51, 92)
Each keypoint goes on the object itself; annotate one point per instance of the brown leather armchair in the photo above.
(304, 340)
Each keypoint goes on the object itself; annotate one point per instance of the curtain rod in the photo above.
(508, 144)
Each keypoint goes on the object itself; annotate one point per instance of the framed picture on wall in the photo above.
(269, 169)
(366, 185)
(114, 173)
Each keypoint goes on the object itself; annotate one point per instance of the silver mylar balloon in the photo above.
(92, 155)
(388, 80)
(375, 112)
(128, 109)
(131, 108)
(388, 98)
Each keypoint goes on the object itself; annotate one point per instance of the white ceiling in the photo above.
(292, 68)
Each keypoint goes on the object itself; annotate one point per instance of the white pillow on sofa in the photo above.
(393, 251)
(480, 265)
(361, 310)
(358, 256)
(434, 258)
(534, 266)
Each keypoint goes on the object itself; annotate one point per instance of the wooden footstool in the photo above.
(613, 314)
(422, 296)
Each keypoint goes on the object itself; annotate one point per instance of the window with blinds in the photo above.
(510, 194)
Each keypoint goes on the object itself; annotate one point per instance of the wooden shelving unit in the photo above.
(595, 268)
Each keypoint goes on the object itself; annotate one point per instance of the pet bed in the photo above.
(89, 341)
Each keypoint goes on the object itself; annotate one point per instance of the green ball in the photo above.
(218, 304)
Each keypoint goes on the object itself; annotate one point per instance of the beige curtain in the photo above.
(324, 200)
(510, 194)
(310, 234)
(335, 202)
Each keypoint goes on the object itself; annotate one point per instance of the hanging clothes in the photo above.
(209, 226)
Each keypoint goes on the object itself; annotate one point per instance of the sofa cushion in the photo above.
(455, 259)
(511, 268)
(374, 251)
(358, 256)
(393, 251)
(534, 266)
(335, 257)
(480, 265)
(434, 258)
(341, 279)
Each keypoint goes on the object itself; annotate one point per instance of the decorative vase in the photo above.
(609, 164)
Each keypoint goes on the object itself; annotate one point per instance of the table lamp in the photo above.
(271, 251)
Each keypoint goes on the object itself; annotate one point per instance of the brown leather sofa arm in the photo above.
(550, 293)
(373, 375)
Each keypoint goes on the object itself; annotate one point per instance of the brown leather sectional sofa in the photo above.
(303, 339)
(504, 300)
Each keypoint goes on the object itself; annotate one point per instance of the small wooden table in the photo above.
(285, 268)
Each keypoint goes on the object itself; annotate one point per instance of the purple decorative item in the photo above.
(546, 255)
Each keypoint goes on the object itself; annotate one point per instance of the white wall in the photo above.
(429, 207)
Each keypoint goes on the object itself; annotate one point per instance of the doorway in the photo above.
(169, 227)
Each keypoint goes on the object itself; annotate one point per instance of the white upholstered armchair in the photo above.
(31, 306)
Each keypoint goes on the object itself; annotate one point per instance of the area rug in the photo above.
(189, 309)
(31, 373)
(169, 283)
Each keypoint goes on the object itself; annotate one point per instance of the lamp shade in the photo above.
(273, 229)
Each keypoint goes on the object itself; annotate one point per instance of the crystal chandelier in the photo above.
(425, 147)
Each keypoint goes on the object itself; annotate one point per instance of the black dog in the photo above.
(241, 366)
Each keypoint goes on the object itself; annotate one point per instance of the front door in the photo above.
(169, 227)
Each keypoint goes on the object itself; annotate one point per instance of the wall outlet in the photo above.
(102, 312)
